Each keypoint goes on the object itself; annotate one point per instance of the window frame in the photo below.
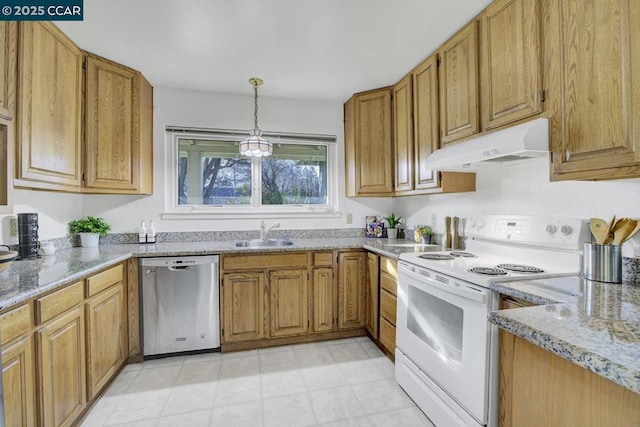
(173, 210)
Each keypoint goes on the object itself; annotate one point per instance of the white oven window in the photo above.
(436, 322)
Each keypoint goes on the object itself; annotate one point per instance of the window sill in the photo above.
(200, 214)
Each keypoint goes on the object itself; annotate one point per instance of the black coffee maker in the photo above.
(27, 235)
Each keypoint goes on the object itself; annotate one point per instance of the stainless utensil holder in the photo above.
(603, 263)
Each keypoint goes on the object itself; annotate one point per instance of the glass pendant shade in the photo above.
(255, 145)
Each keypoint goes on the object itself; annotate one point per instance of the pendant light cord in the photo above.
(255, 106)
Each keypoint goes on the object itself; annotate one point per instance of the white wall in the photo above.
(525, 188)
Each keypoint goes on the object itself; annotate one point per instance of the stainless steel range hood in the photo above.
(528, 140)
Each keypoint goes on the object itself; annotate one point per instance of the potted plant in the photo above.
(90, 229)
(393, 221)
(427, 232)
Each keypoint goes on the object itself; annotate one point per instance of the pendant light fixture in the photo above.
(255, 145)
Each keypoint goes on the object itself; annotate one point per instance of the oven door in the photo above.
(442, 327)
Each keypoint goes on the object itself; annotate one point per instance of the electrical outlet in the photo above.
(349, 218)
(433, 220)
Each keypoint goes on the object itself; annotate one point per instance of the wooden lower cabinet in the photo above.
(324, 295)
(19, 383)
(61, 369)
(372, 294)
(351, 289)
(289, 297)
(106, 337)
(539, 388)
(243, 306)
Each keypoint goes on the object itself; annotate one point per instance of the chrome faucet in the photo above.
(264, 231)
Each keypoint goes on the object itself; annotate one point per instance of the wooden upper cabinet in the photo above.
(118, 129)
(594, 66)
(459, 92)
(8, 68)
(511, 62)
(49, 109)
(425, 120)
(368, 144)
(403, 134)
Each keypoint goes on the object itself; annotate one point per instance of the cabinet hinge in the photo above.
(542, 95)
(551, 157)
(308, 323)
(438, 62)
(84, 177)
(439, 176)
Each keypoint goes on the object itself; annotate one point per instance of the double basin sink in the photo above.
(260, 243)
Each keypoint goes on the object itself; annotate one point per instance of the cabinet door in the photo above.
(374, 146)
(19, 384)
(243, 306)
(511, 62)
(49, 109)
(61, 369)
(403, 134)
(8, 68)
(425, 120)
(106, 335)
(458, 78)
(592, 56)
(113, 121)
(323, 299)
(351, 289)
(289, 314)
(372, 294)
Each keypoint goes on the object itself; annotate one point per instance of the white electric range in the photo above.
(446, 355)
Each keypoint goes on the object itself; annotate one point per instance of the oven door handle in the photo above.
(453, 287)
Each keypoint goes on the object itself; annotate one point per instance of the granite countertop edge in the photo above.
(27, 279)
(619, 374)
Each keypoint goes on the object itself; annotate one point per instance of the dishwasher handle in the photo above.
(179, 267)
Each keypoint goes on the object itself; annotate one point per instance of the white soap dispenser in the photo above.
(151, 233)
(142, 233)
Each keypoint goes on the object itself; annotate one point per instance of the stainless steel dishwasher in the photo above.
(180, 304)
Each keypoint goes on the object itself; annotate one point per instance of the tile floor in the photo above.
(335, 383)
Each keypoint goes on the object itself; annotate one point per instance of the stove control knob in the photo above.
(566, 230)
(551, 229)
(472, 223)
(480, 224)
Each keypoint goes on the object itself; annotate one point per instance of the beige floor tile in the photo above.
(100, 411)
(239, 367)
(380, 396)
(288, 411)
(138, 407)
(237, 390)
(354, 422)
(202, 357)
(241, 415)
(409, 417)
(155, 379)
(308, 357)
(347, 352)
(188, 398)
(278, 362)
(362, 371)
(334, 404)
(190, 419)
(198, 373)
(281, 384)
(322, 377)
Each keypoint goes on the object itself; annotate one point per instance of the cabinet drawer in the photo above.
(388, 306)
(390, 266)
(387, 335)
(246, 262)
(388, 283)
(58, 302)
(322, 259)
(15, 323)
(101, 281)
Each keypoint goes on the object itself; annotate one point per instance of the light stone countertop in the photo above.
(28, 278)
(592, 324)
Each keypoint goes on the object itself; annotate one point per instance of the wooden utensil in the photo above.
(610, 235)
(623, 231)
(633, 232)
(599, 229)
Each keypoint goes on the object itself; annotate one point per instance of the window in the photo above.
(209, 176)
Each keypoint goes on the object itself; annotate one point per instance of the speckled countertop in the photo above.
(28, 278)
(592, 324)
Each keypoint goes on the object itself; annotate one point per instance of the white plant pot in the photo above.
(89, 240)
(392, 233)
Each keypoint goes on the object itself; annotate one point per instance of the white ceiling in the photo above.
(303, 49)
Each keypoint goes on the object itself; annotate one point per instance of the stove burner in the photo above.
(459, 254)
(437, 257)
(488, 271)
(519, 268)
